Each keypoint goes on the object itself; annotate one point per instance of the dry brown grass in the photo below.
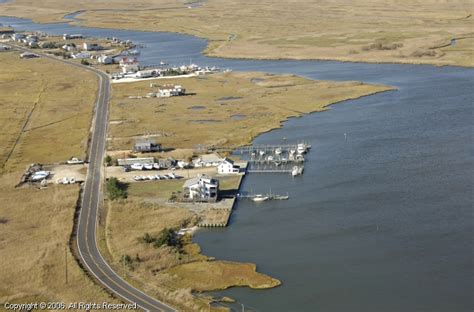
(34, 234)
(36, 224)
(52, 102)
(166, 272)
(264, 101)
(338, 30)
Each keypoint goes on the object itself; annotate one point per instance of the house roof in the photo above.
(228, 160)
(210, 158)
(191, 182)
(196, 180)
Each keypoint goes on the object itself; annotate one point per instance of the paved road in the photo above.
(88, 219)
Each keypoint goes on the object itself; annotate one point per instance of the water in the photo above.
(382, 219)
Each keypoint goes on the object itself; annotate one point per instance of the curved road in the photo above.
(89, 253)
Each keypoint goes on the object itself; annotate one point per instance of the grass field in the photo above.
(46, 111)
(53, 103)
(166, 272)
(35, 226)
(223, 109)
(402, 31)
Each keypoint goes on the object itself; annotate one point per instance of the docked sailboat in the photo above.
(260, 198)
(296, 171)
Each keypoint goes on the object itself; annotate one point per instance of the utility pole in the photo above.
(65, 261)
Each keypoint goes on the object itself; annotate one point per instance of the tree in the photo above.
(166, 237)
(108, 160)
(115, 189)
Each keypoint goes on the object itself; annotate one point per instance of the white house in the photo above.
(68, 47)
(105, 59)
(147, 73)
(227, 166)
(91, 46)
(129, 65)
(171, 90)
(75, 36)
(207, 160)
(201, 188)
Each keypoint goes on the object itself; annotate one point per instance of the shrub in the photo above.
(127, 261)
(166, 237)
(108, 160)
(115, 189)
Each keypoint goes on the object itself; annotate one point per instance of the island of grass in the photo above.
(225, 109)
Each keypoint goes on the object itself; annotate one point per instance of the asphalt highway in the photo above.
(86, 237)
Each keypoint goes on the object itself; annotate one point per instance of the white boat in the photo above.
(270, 158)
(261, 153)
(292, 151)
(278, 151)
(150, 177)
(260, 198)
(296, 171)
(137, 178)
(72, 180)
(301, 148)
(172, 175)
(75, 161)
(148, 166)
(137, 166)
(156, 166)
(39, 175)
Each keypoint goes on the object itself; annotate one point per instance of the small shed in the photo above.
(146, 147)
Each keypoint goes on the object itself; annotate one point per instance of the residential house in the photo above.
(129, 65)
(207, 160)
(227, 166)
(202, 188)
(91, 46)
(75, 36)
(146, 146)
(171, 90)
(147, 73)
(69, 47)
(105, 59)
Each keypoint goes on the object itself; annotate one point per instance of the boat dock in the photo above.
(267, 148)
(263, 197)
